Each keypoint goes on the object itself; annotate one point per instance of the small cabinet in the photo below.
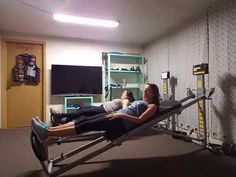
(73, 103)
(123, 71)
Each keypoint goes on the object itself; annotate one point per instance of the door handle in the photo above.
(8, 85)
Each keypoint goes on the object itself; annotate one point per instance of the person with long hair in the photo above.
(121, 121)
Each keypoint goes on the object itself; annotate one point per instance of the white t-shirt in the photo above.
(114, 105)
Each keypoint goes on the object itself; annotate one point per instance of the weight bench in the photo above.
(167, 109)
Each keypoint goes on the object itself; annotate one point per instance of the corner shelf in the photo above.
(123, 71)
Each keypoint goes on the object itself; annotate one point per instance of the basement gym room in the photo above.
(118, 88)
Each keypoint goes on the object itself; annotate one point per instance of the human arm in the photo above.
(125, 103)
(149, 112)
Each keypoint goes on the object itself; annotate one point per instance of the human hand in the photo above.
(113, 116)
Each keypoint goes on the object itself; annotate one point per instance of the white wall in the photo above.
(72, 52)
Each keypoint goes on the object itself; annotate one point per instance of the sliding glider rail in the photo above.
(157, 118)
(82, 137)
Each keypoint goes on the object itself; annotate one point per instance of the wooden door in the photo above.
(23, 100)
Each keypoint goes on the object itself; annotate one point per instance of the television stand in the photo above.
(72, 103)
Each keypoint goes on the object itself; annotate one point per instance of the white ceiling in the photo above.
(141, 21)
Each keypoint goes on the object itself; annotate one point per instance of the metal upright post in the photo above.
(201, 107)
(165, 76)
(200, 71)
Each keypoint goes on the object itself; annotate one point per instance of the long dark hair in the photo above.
(155, 90)
(130, 95)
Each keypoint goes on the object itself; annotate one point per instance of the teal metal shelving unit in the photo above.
(123, 71)
(74, 103)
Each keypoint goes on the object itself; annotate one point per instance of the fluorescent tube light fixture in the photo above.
(85, 21)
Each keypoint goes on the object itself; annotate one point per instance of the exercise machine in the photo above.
(53, 167)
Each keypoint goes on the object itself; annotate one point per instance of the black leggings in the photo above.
(99, 123)
(83, 111)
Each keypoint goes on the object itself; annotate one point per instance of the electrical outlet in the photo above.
(214, 134)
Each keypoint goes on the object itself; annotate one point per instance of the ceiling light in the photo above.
(85, 21)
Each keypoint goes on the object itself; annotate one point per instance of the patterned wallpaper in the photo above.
(211, 39)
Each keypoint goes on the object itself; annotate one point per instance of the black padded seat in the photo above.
(167, 106)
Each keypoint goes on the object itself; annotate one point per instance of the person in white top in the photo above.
(107, 107)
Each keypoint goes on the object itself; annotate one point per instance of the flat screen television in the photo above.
(76, 80)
